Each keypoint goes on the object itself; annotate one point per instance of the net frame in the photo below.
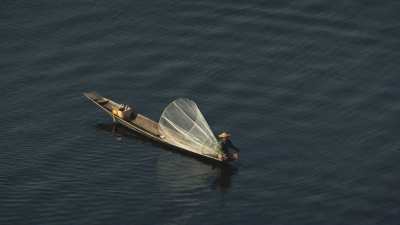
(182, 124)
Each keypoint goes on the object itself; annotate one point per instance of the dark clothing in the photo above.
(227, 146)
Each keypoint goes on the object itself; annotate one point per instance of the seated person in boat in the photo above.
(228, 149)
(125, 112)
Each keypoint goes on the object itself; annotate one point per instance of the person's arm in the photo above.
(230, 145)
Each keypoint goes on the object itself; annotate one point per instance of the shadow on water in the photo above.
(222, 181)
(220, 174)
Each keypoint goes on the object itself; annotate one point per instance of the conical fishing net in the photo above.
(184, 125)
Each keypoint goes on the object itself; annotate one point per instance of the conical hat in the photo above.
(224, 135)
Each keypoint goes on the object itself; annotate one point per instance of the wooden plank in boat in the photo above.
(147, 124)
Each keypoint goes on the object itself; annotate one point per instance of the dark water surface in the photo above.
(309, 90)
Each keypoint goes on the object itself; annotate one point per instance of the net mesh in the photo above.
(184, 125)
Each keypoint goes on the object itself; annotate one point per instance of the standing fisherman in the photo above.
(228, 149)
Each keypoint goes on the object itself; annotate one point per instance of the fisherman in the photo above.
(227, 146)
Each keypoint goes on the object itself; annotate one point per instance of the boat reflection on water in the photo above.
(180, 173)
(222, 181)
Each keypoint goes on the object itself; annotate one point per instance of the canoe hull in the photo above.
(143, 126)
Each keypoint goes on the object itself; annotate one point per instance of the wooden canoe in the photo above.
(142, 125)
